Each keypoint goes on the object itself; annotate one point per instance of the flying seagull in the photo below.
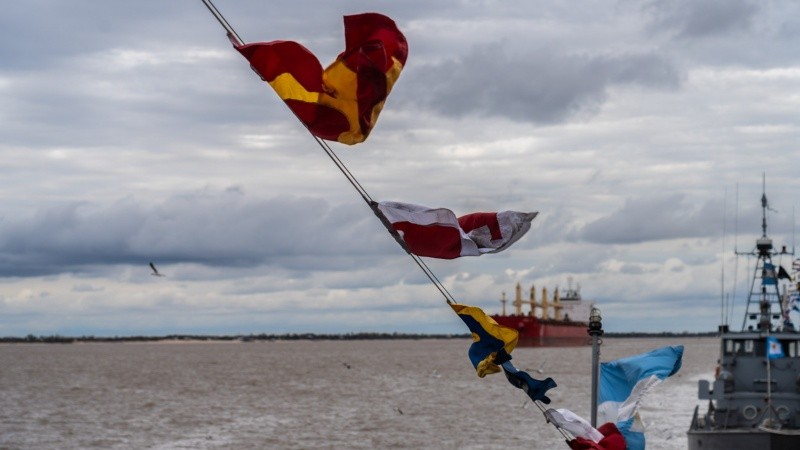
(155, 271)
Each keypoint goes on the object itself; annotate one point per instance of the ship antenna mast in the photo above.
(722, 271)
(764, 288)
(764, 206)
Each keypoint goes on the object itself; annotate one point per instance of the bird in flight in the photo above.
(155, 271)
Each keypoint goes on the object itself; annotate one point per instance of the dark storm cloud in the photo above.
(690, 19)
(542, 86)
(655, 218)
(215, 228)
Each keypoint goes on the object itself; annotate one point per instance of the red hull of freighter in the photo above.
(535, 332)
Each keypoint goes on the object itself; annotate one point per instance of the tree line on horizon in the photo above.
(58, 339)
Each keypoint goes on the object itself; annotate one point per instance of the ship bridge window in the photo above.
(739, 347)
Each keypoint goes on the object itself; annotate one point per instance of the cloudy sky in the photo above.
(639, 130)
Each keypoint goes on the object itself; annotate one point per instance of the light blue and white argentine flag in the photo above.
(774, 349)
(623, 384)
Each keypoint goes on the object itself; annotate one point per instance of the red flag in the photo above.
(438, 233)
(341, 103)
(612, 440)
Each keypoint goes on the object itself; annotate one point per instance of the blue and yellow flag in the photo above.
(492, 343)
(491, 349)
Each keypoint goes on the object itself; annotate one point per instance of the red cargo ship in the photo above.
(566, 327)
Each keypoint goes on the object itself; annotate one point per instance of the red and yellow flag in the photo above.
(341, 103)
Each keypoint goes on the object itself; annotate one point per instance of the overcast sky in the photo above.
(639, 130)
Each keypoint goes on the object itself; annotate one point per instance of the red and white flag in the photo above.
(586, 437)
(438, 233)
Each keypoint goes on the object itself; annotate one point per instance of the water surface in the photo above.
(401, 394)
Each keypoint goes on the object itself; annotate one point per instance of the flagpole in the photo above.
(769, 380)
(595, 331)
(236, 40)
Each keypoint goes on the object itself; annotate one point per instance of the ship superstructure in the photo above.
(558, 320)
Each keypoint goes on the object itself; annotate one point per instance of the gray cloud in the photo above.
(47, 34)
(215, 228)
(540, 86)
(121, 126)
(690, 19)
(655, 218)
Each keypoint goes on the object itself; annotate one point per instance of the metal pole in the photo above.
(595, 331)
(769, 383)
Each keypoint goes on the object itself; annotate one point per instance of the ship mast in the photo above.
(764, 288)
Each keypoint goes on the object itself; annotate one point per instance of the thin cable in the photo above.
(221, 19)
(373, 205)
(431, 276)
(340, 165)
(566, 436)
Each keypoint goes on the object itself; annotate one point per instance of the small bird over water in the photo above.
(155, 271)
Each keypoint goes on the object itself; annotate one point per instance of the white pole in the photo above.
(595, 331)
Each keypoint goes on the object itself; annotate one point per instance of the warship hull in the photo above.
(742, 440)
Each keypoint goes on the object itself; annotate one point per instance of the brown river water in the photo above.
(401, 394)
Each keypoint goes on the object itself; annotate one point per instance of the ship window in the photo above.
(732, 347)
(792, 349)
(743, 347)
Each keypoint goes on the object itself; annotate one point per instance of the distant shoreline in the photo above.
(57, 339)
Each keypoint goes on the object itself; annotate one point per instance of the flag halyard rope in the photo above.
(374, 206)
(234, 37)
(222, 21)
(546, 414)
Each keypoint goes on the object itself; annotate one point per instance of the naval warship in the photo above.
(754, 399)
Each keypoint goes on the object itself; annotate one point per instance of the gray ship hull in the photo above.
(740, 439)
